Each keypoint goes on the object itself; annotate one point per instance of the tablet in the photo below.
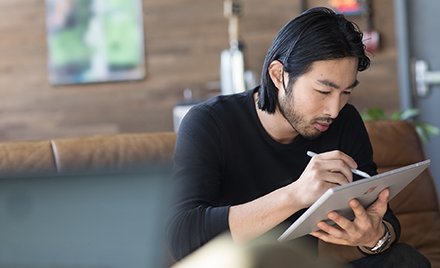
(365, 191)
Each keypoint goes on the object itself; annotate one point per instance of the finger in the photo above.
(338, 155)
(342, 223)
(328, 233)
(359, 211)
(336, 170)
(336, 162)
(321, 235)
(383, 196)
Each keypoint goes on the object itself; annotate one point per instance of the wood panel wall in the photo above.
(183, 41)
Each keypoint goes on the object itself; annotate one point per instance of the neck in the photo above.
(276, 126)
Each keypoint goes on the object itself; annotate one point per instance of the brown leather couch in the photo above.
(395, 144)
(95, 154)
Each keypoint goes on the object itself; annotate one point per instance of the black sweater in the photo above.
(224, 157)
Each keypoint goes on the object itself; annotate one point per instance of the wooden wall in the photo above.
(183, 41)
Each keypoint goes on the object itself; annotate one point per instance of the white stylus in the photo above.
(355, 171)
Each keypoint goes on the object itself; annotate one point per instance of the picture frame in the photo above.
(91, 41)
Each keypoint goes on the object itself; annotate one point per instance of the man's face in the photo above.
(317, 96)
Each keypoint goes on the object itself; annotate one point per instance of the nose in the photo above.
(332, 106)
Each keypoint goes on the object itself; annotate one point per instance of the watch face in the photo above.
(383, 242)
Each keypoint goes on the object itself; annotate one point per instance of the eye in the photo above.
(323, 92)
(347, 92)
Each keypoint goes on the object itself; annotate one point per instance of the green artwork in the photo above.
(94, 41)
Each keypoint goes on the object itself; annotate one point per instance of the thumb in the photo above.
(380, 206)
(383, 196)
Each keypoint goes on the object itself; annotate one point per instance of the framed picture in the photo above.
(94, 41)
(349, 7)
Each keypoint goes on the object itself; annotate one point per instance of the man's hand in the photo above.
(365, 230)
(324, 171)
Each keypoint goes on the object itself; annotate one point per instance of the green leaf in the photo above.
(396, 115)
(409, 113)
(376, 113)
(422, 134)
(428, 128)
(423, 129)
(365, 116)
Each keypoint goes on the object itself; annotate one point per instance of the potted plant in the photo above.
(423, 129)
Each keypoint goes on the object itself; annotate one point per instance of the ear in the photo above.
(276, 74)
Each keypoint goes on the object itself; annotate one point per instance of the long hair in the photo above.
(315, 35)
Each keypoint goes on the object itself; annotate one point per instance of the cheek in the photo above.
(313, 103)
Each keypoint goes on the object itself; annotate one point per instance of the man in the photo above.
(241, 164)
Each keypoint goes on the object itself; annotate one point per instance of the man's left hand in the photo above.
(365, 230)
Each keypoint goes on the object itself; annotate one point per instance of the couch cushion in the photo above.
(422, 231)
(396, 144)
(110, 153)
(23, 158)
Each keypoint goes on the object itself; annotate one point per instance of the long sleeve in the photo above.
(197, 216)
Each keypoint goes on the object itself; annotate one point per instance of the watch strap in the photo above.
(382, 243)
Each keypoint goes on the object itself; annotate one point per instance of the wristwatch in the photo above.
(382, 243)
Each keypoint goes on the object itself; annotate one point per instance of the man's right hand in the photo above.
(324, 171)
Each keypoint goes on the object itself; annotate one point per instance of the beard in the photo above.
(298, 121)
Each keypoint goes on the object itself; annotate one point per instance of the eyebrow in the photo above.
(333, 85)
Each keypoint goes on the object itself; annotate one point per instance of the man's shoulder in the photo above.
(225, 105)
(348, 114)
(349, 110)
(348, 119)
(226, 100)
(219, 112)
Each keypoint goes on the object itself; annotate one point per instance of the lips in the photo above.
(322, 126)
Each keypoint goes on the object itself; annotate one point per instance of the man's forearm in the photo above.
(250, 220)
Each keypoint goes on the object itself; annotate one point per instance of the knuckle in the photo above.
(337, 152)
(316, 165)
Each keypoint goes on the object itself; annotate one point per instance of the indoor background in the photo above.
(183, 43)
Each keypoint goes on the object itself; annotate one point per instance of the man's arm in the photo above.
(250, 220)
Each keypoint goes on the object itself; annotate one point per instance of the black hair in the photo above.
(315, 35)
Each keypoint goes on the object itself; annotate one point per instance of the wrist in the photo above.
(291, 199)
(296, 196)
(379, 235)
(381, 244)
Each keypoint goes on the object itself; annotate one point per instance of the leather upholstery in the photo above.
(113, 153)
(26, 158)
(395, 144)
(95, 154)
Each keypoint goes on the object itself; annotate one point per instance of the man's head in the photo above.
(318, 34)
(316, 98)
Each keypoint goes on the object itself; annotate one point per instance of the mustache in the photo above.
(327, 120)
